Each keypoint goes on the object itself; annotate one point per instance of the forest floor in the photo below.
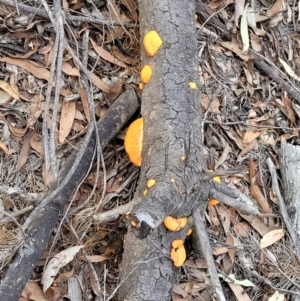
(246, 113)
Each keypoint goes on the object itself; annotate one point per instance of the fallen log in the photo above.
(172, 153)
(43, 218)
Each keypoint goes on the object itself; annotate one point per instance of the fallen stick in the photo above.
(46, 216)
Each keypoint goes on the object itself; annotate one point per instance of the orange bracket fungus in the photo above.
(134, 140)
(213, 202)
(178, 254)
(152, 42)
(146, 74)
(189, 232)
(175, 224)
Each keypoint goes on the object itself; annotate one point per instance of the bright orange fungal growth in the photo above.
(152, 42)
(146, 74)
(134, 141)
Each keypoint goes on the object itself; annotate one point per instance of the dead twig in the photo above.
(203, 240)
(15, 214)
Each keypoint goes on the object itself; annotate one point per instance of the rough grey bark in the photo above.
(289, 157)
(290, 172)
(45, 217)
(171, 149)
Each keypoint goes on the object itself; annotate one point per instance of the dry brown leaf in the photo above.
(247, 149)
(32, 292)
(198, 263)
(79, 116)
(68, 109)
(36, 143)
(217, 3)
(132, 7)
(219, 250)
(289, 70)
(115, 90)
(225, 218)
(24, 152)
(213, 106)
(4, 147)
(256, 223)
(77, 127)
(255, 42)
(231, 251)
(124, 58)
(251, 135)
(85, 104)
(9, 89)
(255, 191)
(236, 49)
(106, 55)
(241, 229)
(271, 237)
(225, 153)
(277, 7)
(33, 68)
(64, 276)
(239, 292)
(95, 258)
(69, 70)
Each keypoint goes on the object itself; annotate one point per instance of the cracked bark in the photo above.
(172, 149)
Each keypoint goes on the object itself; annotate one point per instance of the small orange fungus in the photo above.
(146, 74)
(189, 232)
(175, 224)
(178, 253)
(183, 158)
(172, 180)
(152, 42)
(134, 140)
(193, 85)
(213, 202)
(127, 213)
(133, 223)
(141, 86)
(216, 179)
(151, 183)
(145, 192)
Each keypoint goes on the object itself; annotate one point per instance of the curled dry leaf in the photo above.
(68, 111)
(289, 70)
(9, 89)
(24, 152)
(60, 260)
(271, 237)
(255, 191)
(32, 291)
(106, 55)
(4, 147)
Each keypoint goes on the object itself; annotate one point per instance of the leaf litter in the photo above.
(245, 118)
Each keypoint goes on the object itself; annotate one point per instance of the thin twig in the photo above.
(202, 237)
(16, 214)
(15, 221)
